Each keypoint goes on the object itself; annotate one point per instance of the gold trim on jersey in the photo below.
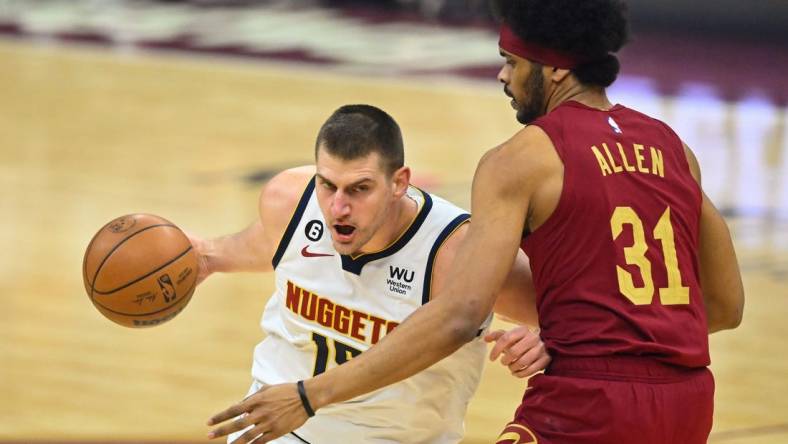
(415, 218)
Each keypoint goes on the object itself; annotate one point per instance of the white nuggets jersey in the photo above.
(328, 308)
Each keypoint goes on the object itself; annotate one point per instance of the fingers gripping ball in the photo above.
(140, 270)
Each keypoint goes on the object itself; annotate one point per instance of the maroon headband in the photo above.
(531, 51)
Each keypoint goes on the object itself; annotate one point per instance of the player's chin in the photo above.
(526, 116)
(344, 244)
(344, 249)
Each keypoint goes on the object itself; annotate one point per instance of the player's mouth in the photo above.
(343, 233)
(513, 102)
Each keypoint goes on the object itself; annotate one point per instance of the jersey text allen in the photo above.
(631, 159)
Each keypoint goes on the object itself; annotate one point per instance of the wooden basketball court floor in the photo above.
(88, 135)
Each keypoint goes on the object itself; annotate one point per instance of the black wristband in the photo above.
(304, 399)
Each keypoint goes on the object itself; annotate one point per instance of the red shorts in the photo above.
(614, 400)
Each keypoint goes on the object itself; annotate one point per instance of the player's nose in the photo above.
(340, 206)
(504, 74)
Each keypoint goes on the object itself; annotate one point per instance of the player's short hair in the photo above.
(592, 30)
(355, 131)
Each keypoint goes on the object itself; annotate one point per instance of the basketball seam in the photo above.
(188, 294)
(103, 261)
(143, 276)
(85, 261)
(90, 245)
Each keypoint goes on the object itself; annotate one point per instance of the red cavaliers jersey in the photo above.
(616, 264)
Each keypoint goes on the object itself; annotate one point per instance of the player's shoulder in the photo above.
(280, 197)
(529, 141)
(287, 187)
(527, 156)
(446, 252)
(454, 239)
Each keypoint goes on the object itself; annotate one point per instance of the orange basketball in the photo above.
(140, 270)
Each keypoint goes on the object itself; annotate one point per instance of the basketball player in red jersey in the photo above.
(632, 264)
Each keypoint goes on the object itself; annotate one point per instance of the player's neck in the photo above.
(403, 212)
(591, 97)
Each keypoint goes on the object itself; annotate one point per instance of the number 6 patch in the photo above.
(314, 230)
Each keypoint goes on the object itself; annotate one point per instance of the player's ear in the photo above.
(557, 75)
(401, 179)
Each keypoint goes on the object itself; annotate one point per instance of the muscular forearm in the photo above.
(242, 251)
(395, 357)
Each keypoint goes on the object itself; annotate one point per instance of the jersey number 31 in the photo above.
(635, 255)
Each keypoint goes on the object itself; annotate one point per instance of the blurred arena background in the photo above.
(184, 108)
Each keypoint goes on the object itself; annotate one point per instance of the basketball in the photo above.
(140, 270)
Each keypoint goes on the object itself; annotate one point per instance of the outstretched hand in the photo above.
(271, 412)
(520, 349)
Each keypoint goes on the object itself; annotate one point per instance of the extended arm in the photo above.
(253, 248)
(245, 250)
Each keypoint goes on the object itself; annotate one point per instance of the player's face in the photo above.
(523, 82)
(356, 197)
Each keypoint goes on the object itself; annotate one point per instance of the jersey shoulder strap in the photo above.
(295, 219)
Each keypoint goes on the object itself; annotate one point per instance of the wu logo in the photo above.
(401, 274)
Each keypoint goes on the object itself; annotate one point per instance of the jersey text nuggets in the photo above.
(356, 324)
(629, 159)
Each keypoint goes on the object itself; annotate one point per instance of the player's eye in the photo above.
(328, 186)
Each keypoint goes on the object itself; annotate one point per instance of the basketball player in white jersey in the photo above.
(355, 250)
